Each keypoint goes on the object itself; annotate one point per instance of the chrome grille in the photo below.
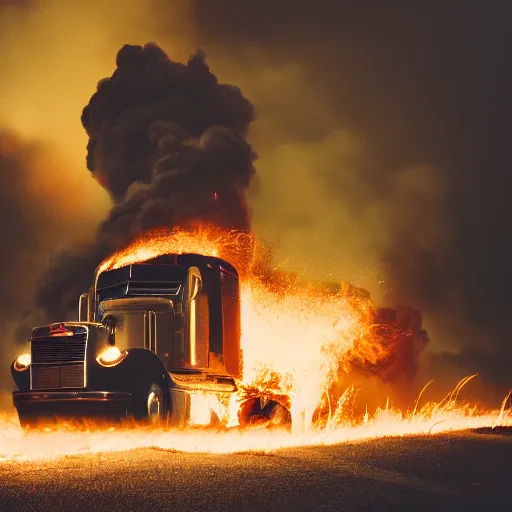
(53, 376)
(58, 361)
(58, 349)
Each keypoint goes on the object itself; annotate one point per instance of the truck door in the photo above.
(143, 323)
(164, 340)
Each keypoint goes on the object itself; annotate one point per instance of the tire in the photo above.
(272, 415)
(278, 415)
(149, 408)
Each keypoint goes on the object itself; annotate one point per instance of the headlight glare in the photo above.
(22, 362)
(110, 356)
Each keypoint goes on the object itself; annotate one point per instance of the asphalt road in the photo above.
(463, 471)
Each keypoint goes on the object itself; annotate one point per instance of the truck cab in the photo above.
(157, 341)
(183, 308)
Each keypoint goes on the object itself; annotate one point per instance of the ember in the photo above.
(297, 341)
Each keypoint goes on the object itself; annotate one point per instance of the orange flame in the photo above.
(296, 341)
(293, 338)
(66, 439)
(208, 240)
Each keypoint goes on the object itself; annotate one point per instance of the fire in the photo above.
(233, 246)
(293, 343)
(298, 343)
(66, 439)
(293, 337)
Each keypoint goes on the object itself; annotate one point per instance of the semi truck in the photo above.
(157, 341)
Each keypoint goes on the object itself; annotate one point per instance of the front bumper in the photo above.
(80, 403)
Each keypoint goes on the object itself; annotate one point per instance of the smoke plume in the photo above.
(167, 141)
(350, 98)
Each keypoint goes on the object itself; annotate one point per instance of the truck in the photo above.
(157, 341)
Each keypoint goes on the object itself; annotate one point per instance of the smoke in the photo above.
(23, 245)
(39, 214)
(166, 137)
(167, 141)
(381, 136)
(389, 125)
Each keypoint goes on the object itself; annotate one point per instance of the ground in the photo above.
(458, 471)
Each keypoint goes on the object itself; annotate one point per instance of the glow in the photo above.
(295, 339)
(110, 356)
(66, 439)
(300, 344)
(233, 246)
(60, 330)
(22, 362)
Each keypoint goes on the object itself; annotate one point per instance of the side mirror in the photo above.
(195, 283)
(110, 322)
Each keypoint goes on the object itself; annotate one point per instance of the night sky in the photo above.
(382, 134)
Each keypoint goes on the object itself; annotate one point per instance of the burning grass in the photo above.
(70, 439)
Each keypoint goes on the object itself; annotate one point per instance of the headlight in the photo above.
(110, 356)
(22, 362)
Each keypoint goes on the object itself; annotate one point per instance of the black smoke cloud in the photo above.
(168, 143)
(155, 119)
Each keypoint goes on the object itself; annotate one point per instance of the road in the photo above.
(458, 471)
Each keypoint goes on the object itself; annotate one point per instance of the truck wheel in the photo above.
(155, 404)
(277, 415)
(273, 414)
(150, 407)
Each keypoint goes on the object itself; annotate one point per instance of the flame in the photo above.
(296, 340)
(208, 240)
(293, 342)
(68, 439)
(297, 344)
